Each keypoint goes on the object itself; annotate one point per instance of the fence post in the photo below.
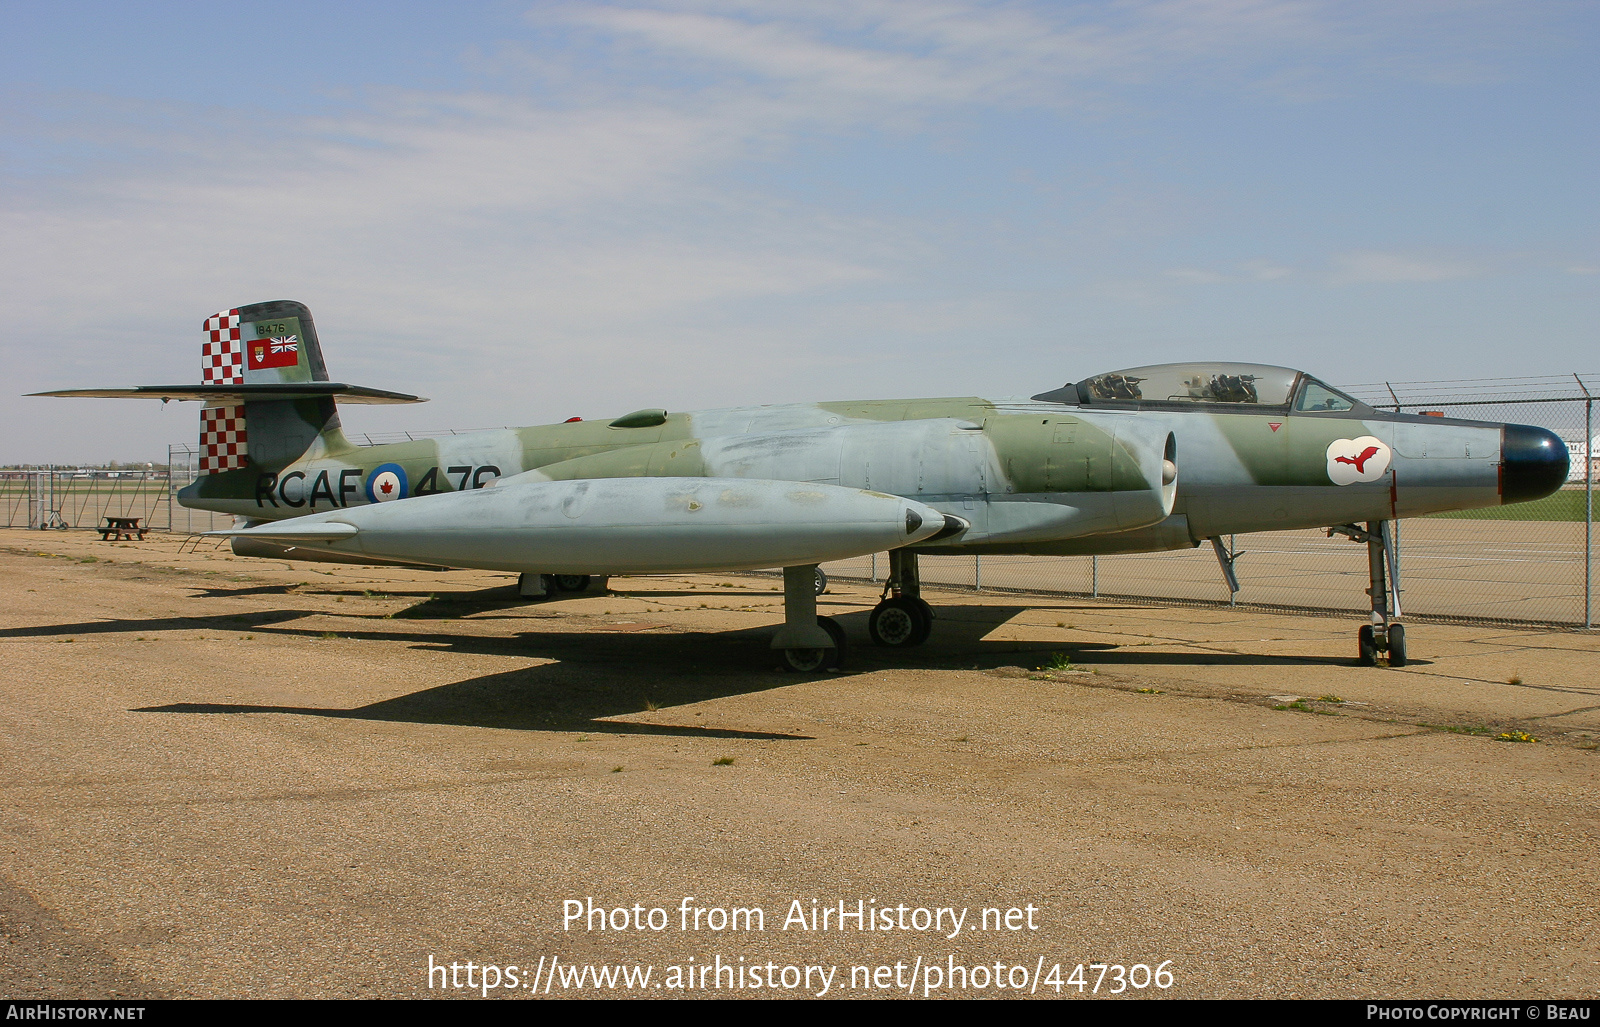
(1588, 509)
(1094, 576)
(977, 573)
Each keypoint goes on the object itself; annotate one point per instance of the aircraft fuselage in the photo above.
(1029, 476)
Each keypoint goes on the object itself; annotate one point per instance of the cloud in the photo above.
(596, 233)
(1249, 271)
(935, 53)
(1376, 267)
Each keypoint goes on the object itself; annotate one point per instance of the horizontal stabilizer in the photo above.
(292, 530)
(240, 393)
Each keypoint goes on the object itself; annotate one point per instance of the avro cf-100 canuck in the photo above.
(1140, 460)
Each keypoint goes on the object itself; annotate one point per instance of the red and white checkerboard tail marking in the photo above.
(222, 438)
(222, 434)
(222, 354)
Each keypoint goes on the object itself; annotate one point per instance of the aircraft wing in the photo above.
(241, 393)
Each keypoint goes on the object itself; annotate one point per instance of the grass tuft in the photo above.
(722, 761)
(1514, 736)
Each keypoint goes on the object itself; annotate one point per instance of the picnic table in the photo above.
(121, 528)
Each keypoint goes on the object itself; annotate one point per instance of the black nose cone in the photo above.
(1533, 463)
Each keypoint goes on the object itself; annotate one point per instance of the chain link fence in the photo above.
(46, 496)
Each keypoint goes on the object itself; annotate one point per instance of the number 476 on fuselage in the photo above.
(1139, 460)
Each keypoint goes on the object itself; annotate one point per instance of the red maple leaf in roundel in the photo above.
(386, 487)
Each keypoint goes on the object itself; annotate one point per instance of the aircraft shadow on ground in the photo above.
(960, 640)
(549, 697)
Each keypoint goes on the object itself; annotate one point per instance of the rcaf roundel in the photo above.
(386, 483)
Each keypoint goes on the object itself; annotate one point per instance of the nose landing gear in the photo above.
(1385, 634)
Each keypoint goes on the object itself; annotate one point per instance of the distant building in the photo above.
(1577, 454)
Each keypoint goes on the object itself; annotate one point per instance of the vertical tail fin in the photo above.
(273, 343)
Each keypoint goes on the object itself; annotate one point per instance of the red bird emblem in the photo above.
(1360, 460)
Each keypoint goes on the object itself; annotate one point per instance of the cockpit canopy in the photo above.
(1210, 384)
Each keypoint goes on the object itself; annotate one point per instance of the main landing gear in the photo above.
(1385, 634)
(810, 643)
(901, 619)
(806, 642)
(542, 586)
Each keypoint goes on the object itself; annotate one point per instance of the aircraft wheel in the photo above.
(571, 582)
(1397, 645)
(900, 623)
(927, 620)
(804, 661)
(809, 661)
(832, 627)
(822, 581)
(1369, 647)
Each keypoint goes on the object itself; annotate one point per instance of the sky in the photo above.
(528, 212)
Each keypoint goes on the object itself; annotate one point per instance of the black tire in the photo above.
(899, 623)
(1369, 647)
(804, 661)
(836, 632)
(570, 582)
(809, 661)
(822, 581)
(1397, 645)
(927, 621)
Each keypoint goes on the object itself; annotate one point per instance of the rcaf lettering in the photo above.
(274, 489)
(264, 484)
(283, 488)
(321, 489)
(345, 486)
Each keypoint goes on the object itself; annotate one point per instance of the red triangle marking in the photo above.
(1274, 425)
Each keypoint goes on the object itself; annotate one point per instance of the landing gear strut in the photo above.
(901, 618)
(807, 642)
(1385, 634)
